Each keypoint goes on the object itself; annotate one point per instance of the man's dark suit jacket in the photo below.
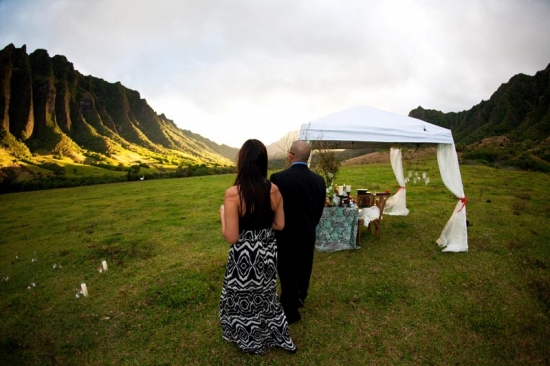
(304, 195)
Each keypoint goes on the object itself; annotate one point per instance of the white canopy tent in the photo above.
(363, 127)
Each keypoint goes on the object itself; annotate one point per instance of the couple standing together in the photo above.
(271, 226)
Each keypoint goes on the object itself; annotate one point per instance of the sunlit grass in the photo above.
(398, 300)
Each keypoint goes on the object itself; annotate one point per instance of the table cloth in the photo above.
(337, 229)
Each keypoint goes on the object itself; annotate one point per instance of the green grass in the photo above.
(399, 300)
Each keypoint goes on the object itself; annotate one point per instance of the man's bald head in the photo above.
(301, 150)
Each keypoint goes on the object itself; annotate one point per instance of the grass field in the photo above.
(399, 300)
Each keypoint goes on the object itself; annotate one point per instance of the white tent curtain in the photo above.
(454, 237)
(397, 204)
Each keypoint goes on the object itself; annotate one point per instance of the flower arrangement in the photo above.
(328, 167)
(331, 189)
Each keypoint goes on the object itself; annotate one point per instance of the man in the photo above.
(303, 194)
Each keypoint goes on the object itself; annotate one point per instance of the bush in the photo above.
(527, 162)
(49, 182)
(56, 169)
(10, 183)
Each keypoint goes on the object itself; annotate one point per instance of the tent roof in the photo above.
(363, 126)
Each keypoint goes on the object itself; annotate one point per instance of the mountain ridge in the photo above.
(51, 108)
(519, 108)
(47, 108)
(511, 128)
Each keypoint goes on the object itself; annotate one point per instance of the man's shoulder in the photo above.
(297, 170)
(282, 172)
(277, 174)
(317, 176)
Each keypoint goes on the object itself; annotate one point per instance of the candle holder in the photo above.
(336, 200)
(344, 201)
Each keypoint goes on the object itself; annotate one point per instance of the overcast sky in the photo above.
(233, 70)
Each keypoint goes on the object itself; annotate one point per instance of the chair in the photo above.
(377, 223)
(360, 223)
(381, 204)
(365, 200)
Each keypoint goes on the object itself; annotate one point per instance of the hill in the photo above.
(49, 109)
(511, 128)
(278, 149)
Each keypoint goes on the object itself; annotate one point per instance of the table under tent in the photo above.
(364, 127)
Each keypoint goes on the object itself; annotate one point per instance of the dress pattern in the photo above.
(250, 313)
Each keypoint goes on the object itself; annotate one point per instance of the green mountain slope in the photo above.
(511, 128)
(49, 108)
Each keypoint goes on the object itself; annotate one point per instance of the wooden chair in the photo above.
(377, 223)
(360, 223)
(365, 200)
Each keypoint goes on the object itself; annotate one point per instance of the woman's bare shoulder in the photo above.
(275, 193)
(231, 192)
(274, 188)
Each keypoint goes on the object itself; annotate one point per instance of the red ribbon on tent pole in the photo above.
(463, 200)
(400, 188)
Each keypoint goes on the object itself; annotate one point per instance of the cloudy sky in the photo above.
(233, 70)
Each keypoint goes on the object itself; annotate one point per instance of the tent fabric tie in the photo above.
(463, 200)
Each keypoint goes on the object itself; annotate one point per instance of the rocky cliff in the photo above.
(511, 128)
(519, 109)
(51, 108)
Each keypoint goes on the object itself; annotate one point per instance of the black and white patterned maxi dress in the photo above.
(250, 313)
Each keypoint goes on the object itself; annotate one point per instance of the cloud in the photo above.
(234, 70)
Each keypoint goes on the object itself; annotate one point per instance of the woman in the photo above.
(250, 313)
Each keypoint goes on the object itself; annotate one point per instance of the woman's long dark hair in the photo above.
(251, 177)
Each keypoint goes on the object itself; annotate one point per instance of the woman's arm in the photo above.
(277, 206)
(229, 215)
